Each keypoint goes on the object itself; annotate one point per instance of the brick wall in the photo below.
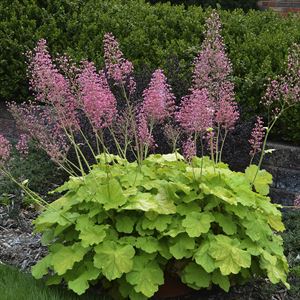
(282, 6)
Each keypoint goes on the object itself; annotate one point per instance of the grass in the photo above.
(15, 285)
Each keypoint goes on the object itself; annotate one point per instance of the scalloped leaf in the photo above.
(229, 257)
(197, 223)
(113, 259)
(195, 276)
(42, 267)
(81, 283)
(221, 280)
(146, 276)
(110, 195)
(203, 258)
(183, 244)
(148, 244)
(64, 257)
(125, 224)
(261, 179)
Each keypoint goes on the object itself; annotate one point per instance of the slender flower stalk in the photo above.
(257, 137)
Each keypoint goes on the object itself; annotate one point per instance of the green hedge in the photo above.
(225, 4)
(151, 36)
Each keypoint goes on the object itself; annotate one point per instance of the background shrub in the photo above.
(151, 36)
(231, 4)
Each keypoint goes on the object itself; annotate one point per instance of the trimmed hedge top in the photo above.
(151, 36)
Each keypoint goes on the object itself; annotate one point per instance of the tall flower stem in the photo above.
(222, 145)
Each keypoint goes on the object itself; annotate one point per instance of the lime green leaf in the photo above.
(183, 244)
(276, 223)
(226, 222)
(50, 217)
(229, 257)
(277, 272)
(42, 267)
(73, 184)
(185, 209)
(160, 222)
(146, 276)
(126, 291)
(257, 229)
(221, 280)
(148, 244)
(125, 224)
(90, 233)
(251, 247)
(113, 259)
(64, 257)
(175, 227)
(219, 191)
(197, 223)
(261, 179)
(149, 202)
(195, 276)
(203, 258)
(80, 284)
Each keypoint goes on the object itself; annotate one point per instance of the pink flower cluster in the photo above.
(212, 71)
(42, 125)
(257, 137)
(145, 136)
(297, 201)
(158, 105)
(50, 86)
(22, 145)
(158, 101)
(196, 112)
(285, 89)
(118, 68)
(97, 100)
(5, 149)
(189, 149)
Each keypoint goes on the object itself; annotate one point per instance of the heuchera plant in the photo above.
(130, 223)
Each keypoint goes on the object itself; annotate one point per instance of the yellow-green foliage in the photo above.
(127, 224)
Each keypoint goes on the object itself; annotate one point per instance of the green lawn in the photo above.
(15, 285)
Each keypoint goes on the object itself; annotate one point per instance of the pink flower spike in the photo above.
(98, 102)
(22, 145)
(189, 149)
(51, 87)
(158, 99)
(5, 149)
(196, 112)
(145, 137)
(257, 136)
(297, 201)
(227, 114)
(118, 68)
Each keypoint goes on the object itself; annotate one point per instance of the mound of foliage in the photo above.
(257, 43)
(129, 225)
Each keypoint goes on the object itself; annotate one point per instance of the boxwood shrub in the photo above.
(151, 36)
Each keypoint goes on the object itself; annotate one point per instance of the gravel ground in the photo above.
(18, 245)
